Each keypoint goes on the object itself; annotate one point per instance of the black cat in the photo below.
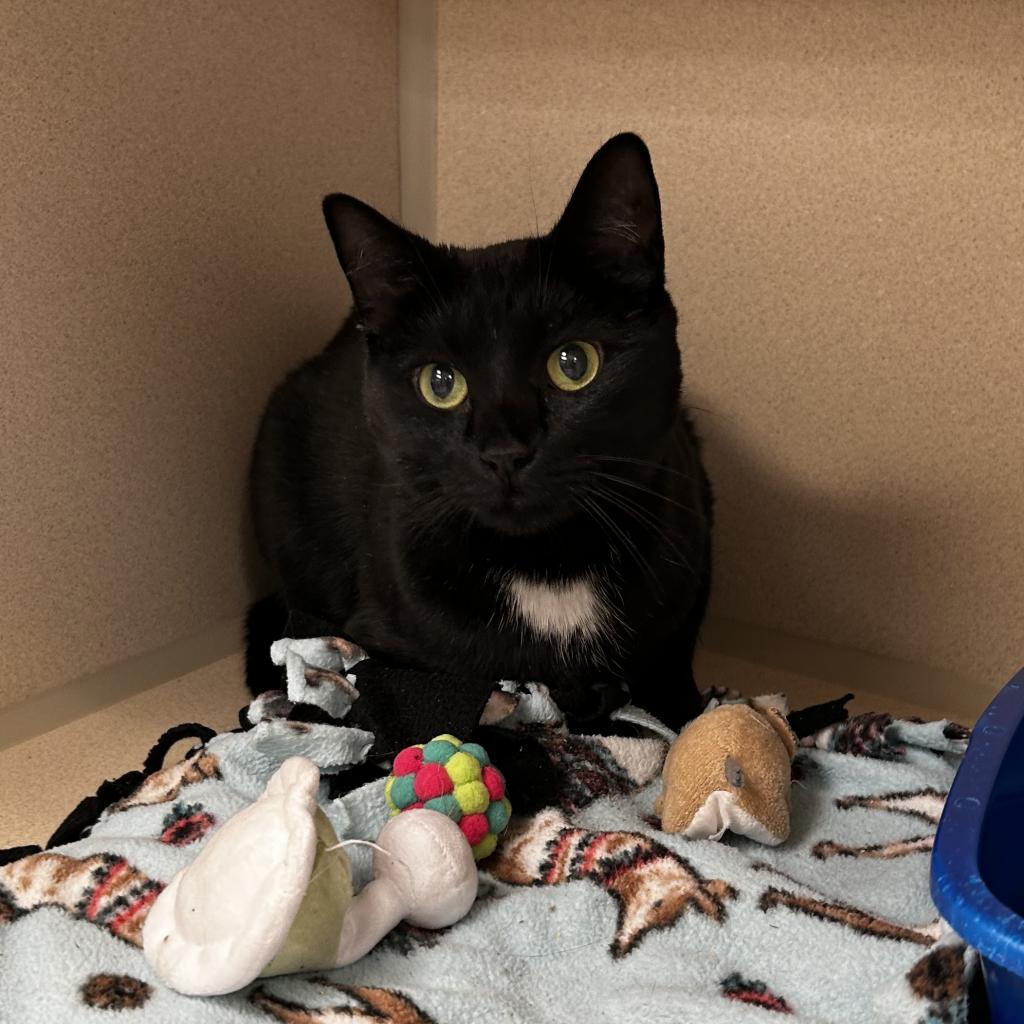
(490, 470)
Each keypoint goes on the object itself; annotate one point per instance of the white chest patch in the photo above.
(572, 610)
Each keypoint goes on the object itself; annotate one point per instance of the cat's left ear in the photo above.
(613, 220)
(383, 262)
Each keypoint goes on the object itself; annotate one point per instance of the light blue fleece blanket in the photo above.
(587, 912)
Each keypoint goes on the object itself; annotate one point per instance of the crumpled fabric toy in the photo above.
(271, 892)
(330, 679)
(730, 770)
(397, 705)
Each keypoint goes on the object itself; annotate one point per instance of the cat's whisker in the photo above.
(628, 505)
(601, 515)
(642, 516)
(648, 490)
(645, 463)
(638, 556)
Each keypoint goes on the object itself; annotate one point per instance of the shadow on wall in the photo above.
(800, 555)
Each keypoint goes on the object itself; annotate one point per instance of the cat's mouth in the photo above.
(519, 515)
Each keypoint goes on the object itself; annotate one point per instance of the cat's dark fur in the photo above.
(400, 523)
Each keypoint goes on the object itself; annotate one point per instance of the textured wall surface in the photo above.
(843, 187)
(164, 262)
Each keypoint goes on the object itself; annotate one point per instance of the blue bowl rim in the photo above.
(960, 893)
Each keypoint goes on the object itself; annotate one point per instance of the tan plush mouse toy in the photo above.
(730, 770)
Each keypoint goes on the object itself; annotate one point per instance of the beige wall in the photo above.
(164, 261)
(843, 185)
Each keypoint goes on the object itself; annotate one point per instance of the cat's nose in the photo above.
(507, 459)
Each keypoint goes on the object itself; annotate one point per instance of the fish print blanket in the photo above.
(587, 911)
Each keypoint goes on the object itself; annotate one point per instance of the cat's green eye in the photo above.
(441, 385)
(573, 366)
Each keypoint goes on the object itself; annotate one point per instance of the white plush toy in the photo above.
(271, 892)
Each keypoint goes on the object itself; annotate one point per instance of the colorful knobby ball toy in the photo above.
(456, 779)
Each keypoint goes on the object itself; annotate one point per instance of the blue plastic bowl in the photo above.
(978, 861)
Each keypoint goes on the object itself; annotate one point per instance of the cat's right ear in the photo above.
(381, 260)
